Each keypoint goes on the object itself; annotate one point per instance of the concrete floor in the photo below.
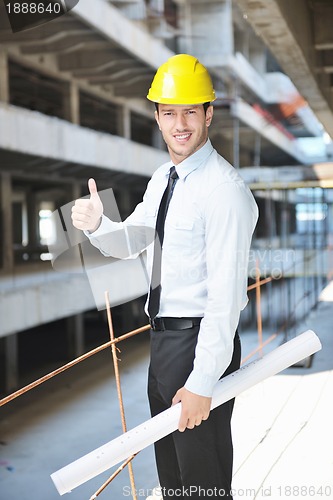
(282, 427)
(283, 434)
(69, 417)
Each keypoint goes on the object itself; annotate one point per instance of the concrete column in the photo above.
(257, 56)
(6, 222)
(243, 43)
(76, 191)
(236, 129)
(185, 40)
(75, 335)
(257, 150)
(330, 221)
(4, 76)
(72, 103)
(11, 362)
(125, 200)
(236, 139)
(124, 122)
(208, 30)
(285, 221)
(329, 240)
(223, 144)
(33, 220)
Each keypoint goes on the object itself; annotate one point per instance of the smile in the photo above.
(182, 137)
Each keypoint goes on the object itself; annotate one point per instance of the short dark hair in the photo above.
(205, 105)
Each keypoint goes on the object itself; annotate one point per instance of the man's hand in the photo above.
(86, 214)
(195, 408)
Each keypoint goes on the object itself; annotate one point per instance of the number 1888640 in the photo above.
(34, 8)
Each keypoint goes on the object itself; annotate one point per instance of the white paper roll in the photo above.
(138, 438)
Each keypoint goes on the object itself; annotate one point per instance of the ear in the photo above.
(209, 115)
(157, 119)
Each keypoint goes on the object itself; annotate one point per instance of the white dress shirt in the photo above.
(208, 230)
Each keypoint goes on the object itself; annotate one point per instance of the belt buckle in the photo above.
(153, 324)
(157, 324)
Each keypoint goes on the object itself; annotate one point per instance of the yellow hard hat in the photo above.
(181, 80)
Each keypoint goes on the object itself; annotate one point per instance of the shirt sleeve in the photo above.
(126, 239)
(230, 218)
(104, 237)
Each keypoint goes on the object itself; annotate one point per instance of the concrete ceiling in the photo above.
(98, 46)
(300, 36)
(84, 46)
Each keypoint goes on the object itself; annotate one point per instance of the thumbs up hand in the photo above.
(87, 213)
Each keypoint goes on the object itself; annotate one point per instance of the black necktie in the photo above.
(155, 283)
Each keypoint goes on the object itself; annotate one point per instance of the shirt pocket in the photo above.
(179, 233)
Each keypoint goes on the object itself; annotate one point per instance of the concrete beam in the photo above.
(135, 87)
(57, 30)
(103, 77)
(30, 132)
(288, 34)
(98, 71)
(68, 43)
(41, 297)
(91, 59)
(320, 172)
(108, 20)
(125, 76)
(255, 121)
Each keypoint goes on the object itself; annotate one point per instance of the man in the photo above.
(205, 217)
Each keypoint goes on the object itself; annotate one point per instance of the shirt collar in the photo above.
(191, 163)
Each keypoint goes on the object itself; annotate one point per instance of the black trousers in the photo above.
(197, 463)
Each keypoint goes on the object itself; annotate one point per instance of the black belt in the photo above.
(160, 324)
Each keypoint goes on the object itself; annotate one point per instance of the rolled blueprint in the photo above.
(138, 438)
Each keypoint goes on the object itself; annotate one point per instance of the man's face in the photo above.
(184, 128)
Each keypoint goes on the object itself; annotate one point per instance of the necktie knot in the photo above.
(173, 173)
